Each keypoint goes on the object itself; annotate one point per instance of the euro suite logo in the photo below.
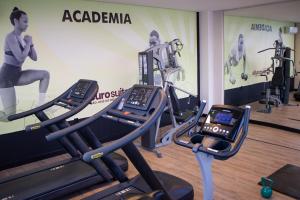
(79, 16)
(108, 96)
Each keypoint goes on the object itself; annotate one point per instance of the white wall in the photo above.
(297, 55)
(211, 57)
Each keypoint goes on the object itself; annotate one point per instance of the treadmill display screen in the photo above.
(139, 97)
(223, 118)
(81, 89)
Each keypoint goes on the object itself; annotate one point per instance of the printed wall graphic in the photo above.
(164, 62)
(237, 54)
(55, 43)
(154, 40)
(243, 38)
(16, 50)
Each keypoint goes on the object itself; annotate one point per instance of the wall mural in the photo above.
(49, 45)
(243, 38)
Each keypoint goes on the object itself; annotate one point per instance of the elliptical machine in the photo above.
(220, 137)
(162, 58)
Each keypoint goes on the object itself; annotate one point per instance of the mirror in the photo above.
(261, 61)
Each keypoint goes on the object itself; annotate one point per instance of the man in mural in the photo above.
(16, 49)
(154, 40)
(237, 53)
(280, 35)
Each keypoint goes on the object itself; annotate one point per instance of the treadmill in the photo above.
(220, 137)
(139, 107)
(72, 174)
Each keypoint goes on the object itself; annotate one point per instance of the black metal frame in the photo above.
(75, 143)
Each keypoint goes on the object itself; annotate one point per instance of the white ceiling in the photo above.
(287, 11)
(198, 5)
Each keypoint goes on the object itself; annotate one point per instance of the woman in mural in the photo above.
(16, 49)
(237, 53)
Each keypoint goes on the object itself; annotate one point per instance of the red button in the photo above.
(126, 113)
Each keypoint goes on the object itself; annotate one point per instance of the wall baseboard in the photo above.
(245, 94)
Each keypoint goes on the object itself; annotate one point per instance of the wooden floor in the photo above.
(264, 151)
(285, 115)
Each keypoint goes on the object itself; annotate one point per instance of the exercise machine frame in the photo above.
(163, 58)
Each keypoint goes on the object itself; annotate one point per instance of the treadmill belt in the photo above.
(43, 182)
(55, 181)
(286, 180)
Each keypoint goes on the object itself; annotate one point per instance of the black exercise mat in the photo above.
(286, 180)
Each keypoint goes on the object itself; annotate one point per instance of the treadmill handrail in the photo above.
(39, 108)
(63, 132)
(63, 116)
(49, 104)
(86, 122)
(117, 144)
(30, 112)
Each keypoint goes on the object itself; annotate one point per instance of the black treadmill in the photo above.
(72, 174)
(140, 107)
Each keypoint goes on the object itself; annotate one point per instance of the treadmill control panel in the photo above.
(223, 122)
(80, 89)
(135, 106)
(140, 97)
(80, 92)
